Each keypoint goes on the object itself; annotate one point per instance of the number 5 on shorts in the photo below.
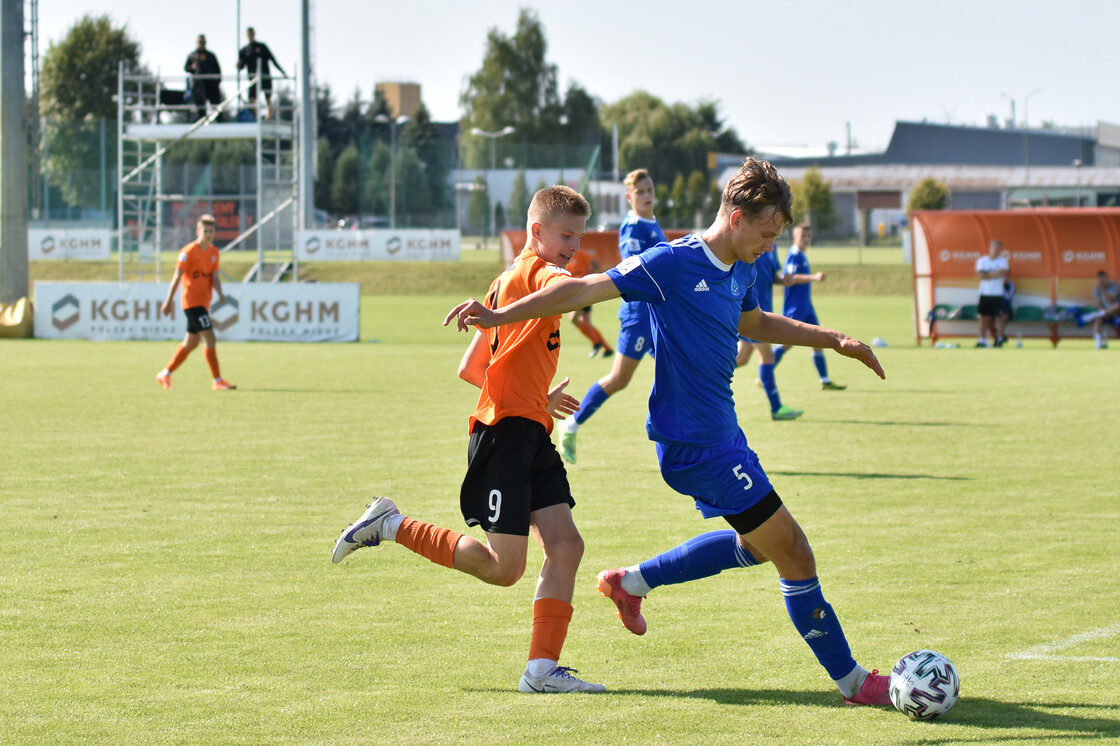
(741, 475)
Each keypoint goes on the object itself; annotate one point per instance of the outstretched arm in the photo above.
(769, 327)
(557, 298)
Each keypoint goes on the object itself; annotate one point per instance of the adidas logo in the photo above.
(701, 287)
(815, 634)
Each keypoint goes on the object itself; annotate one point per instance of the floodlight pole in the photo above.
(392, 162)
(14, 279)
(493, 137)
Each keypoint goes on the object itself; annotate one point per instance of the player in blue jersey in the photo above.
(638, 232)
(699, 289)
(799, 302)
(768, 273)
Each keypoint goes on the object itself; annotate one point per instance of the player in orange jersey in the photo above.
(197, 268)
(581, 265)
(515, 482)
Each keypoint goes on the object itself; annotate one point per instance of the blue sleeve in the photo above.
(647, 277)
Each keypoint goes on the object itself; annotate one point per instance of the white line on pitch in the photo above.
(1047, 650)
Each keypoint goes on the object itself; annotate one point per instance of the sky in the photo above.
(800, 72)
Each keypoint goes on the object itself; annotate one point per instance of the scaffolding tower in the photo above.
(146, 112)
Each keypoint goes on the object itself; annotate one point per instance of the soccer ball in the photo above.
(924, 685)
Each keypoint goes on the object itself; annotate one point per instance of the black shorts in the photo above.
(198, 319)
(990, 305)
(512, 469)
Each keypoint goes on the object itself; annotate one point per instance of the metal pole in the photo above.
(306, 122)
(393, 174)
(120, 171)
(489, 191)
(14, 278)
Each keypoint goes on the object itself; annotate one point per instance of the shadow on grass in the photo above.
(970, 712)
(853, 475)
(905, 424)
(348, 392)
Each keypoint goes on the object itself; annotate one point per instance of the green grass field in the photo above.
(164, 556)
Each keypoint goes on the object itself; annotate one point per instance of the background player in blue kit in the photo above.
(798, 299)
(767, 273)
(638, 232)
(700, 296)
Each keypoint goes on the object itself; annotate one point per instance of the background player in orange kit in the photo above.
(580, 266)
(197, 268)
(515, 482)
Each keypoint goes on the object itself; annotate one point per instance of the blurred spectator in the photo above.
(255, 58)
(1107, 295)
(992, 270)
(205, 84)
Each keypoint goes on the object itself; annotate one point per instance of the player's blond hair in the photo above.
(207, 219)
(557, 200)
(756, 189)
(634, 177)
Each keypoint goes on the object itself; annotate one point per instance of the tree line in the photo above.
(365, 162)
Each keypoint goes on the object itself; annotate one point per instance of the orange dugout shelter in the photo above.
(1055, 254)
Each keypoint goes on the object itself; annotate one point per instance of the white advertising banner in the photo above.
(406, 244)
(68, 243)
(263, 312)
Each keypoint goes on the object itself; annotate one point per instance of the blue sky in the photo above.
(786, 73)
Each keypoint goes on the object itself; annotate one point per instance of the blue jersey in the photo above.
(695, 302)
(635, 235)
(765, 267)
(799, 302)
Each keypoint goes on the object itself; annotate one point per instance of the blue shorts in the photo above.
(635, 339)
(723, 480)
(806, 316)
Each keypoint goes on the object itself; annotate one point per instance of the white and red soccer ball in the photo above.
(924, 685)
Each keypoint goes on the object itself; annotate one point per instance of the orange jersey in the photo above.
(199, 266)
(523, 356)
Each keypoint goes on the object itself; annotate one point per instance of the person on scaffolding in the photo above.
(205, 81)
(256, 57)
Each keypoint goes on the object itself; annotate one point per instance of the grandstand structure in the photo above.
(150, 124)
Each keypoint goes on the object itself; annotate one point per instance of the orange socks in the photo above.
(433, 542)
(551, 617)
(589, 331)
(212, 361)
(177, 359)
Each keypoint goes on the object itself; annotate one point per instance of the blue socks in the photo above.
(769, 385)
(590, 403)
(822, 367)
(779, 353)
(818, 626)
(700, 557)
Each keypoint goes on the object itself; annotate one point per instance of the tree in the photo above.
(79, 74)
(678, 204)
(667, 139)
(519, 198)
(421, 135)
(812, 200)
(517, 86)
(78, 88)
(345, 183)
(478, 209)
(715, 197)
(696, 195)
(928, 194)
(499, 217)
(324, 179)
